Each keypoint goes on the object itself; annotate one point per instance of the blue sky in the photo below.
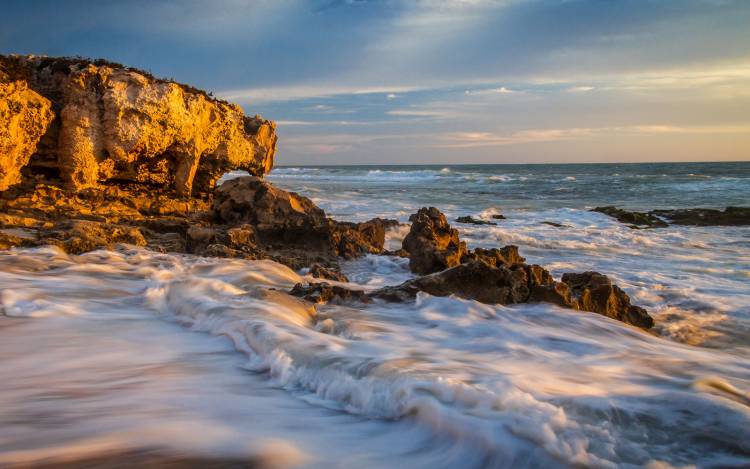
(427, 81)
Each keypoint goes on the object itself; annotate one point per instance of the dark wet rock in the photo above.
(499, 216)
(396, 253)
(473, 281)
(431, 243)
(474, 221)
(501, 276)
(322, 293)
(731, 216)
(544, 289)
(328, 273)
(355, 239)
(254, 201)
(556, 225)
(287, 221)
(505, 256)
(636, 219)
(595, 292)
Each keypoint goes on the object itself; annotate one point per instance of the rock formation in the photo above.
(431, 243)
(24, 118)
(731, 216)
(114, 123)
(499, 276)
(475, 221)
(289, 221)
(93, 154)
(634, 219)
(595, 292)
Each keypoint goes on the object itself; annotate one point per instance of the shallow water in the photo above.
(132, 349)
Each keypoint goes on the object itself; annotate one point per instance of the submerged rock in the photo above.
(431, 243)
(635, 219)
(322, 293)
(731, 216)
(475, 221)
(118, 124)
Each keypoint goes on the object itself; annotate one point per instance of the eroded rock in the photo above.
(115, 123)
(474, 280)
(595, 292)
(431, 243)
(24, 118)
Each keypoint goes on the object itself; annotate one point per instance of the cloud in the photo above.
(580, 89)
(480, 92)
(416, 113)
(488, 139)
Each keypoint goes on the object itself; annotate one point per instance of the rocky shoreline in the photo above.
(730, 216)
(95, 154)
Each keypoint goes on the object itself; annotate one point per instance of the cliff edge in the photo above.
(86, 123)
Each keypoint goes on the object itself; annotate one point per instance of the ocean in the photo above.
(132, 350)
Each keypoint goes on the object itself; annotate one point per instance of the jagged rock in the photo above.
(320, 271)
(24, 118)
(473, 281)
(731, 216)
(79, 236)
(115, 123)
(474, 221)
(506, 256)
(397, 253)
(285, 219)
(544, 289)
(635, 219)
(321, 293)
(595, 292)
(242, 237)
(254, 201)
(500, 276)
(431, 243)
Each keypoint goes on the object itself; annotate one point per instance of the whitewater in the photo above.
(131, 349)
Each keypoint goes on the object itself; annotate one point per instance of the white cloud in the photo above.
(480, 92)
(580, 89)
(489, 139)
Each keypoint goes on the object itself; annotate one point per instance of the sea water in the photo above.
(131, 349)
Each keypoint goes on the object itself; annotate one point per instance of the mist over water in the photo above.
(133, 349)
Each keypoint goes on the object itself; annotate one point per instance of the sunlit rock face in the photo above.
(24, 118)
(116, 123)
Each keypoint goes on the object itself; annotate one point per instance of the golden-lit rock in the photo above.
(120, 124)
(24, 118)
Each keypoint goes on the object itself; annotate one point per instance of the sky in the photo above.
(429, 81)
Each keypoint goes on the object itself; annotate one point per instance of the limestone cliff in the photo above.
(115, 123)
(24, 118)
